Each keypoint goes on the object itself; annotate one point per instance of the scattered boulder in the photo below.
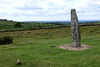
(53, 46)
(18, 62)
(30, 42)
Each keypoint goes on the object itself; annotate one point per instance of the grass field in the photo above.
(40, 53)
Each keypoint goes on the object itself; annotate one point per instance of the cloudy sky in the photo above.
(48, 10)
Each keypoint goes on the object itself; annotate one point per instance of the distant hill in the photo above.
(6, 20)
(65, 22)
(9, 24)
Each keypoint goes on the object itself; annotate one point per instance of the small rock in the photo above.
(53, 46)
(29, 42)
(25, 40)
(18, 62)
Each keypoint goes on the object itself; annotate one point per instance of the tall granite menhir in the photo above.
(76, 38)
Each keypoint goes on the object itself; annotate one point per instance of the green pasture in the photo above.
(40, 53)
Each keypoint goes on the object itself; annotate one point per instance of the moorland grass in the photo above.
(41, 54)
(10, 25)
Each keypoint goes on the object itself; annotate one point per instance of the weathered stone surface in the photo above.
(76, 38)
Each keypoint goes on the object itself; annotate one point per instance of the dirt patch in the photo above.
(69, 47)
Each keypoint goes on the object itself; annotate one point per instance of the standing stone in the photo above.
(76, 38)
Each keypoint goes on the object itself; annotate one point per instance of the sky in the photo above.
(49, 10)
